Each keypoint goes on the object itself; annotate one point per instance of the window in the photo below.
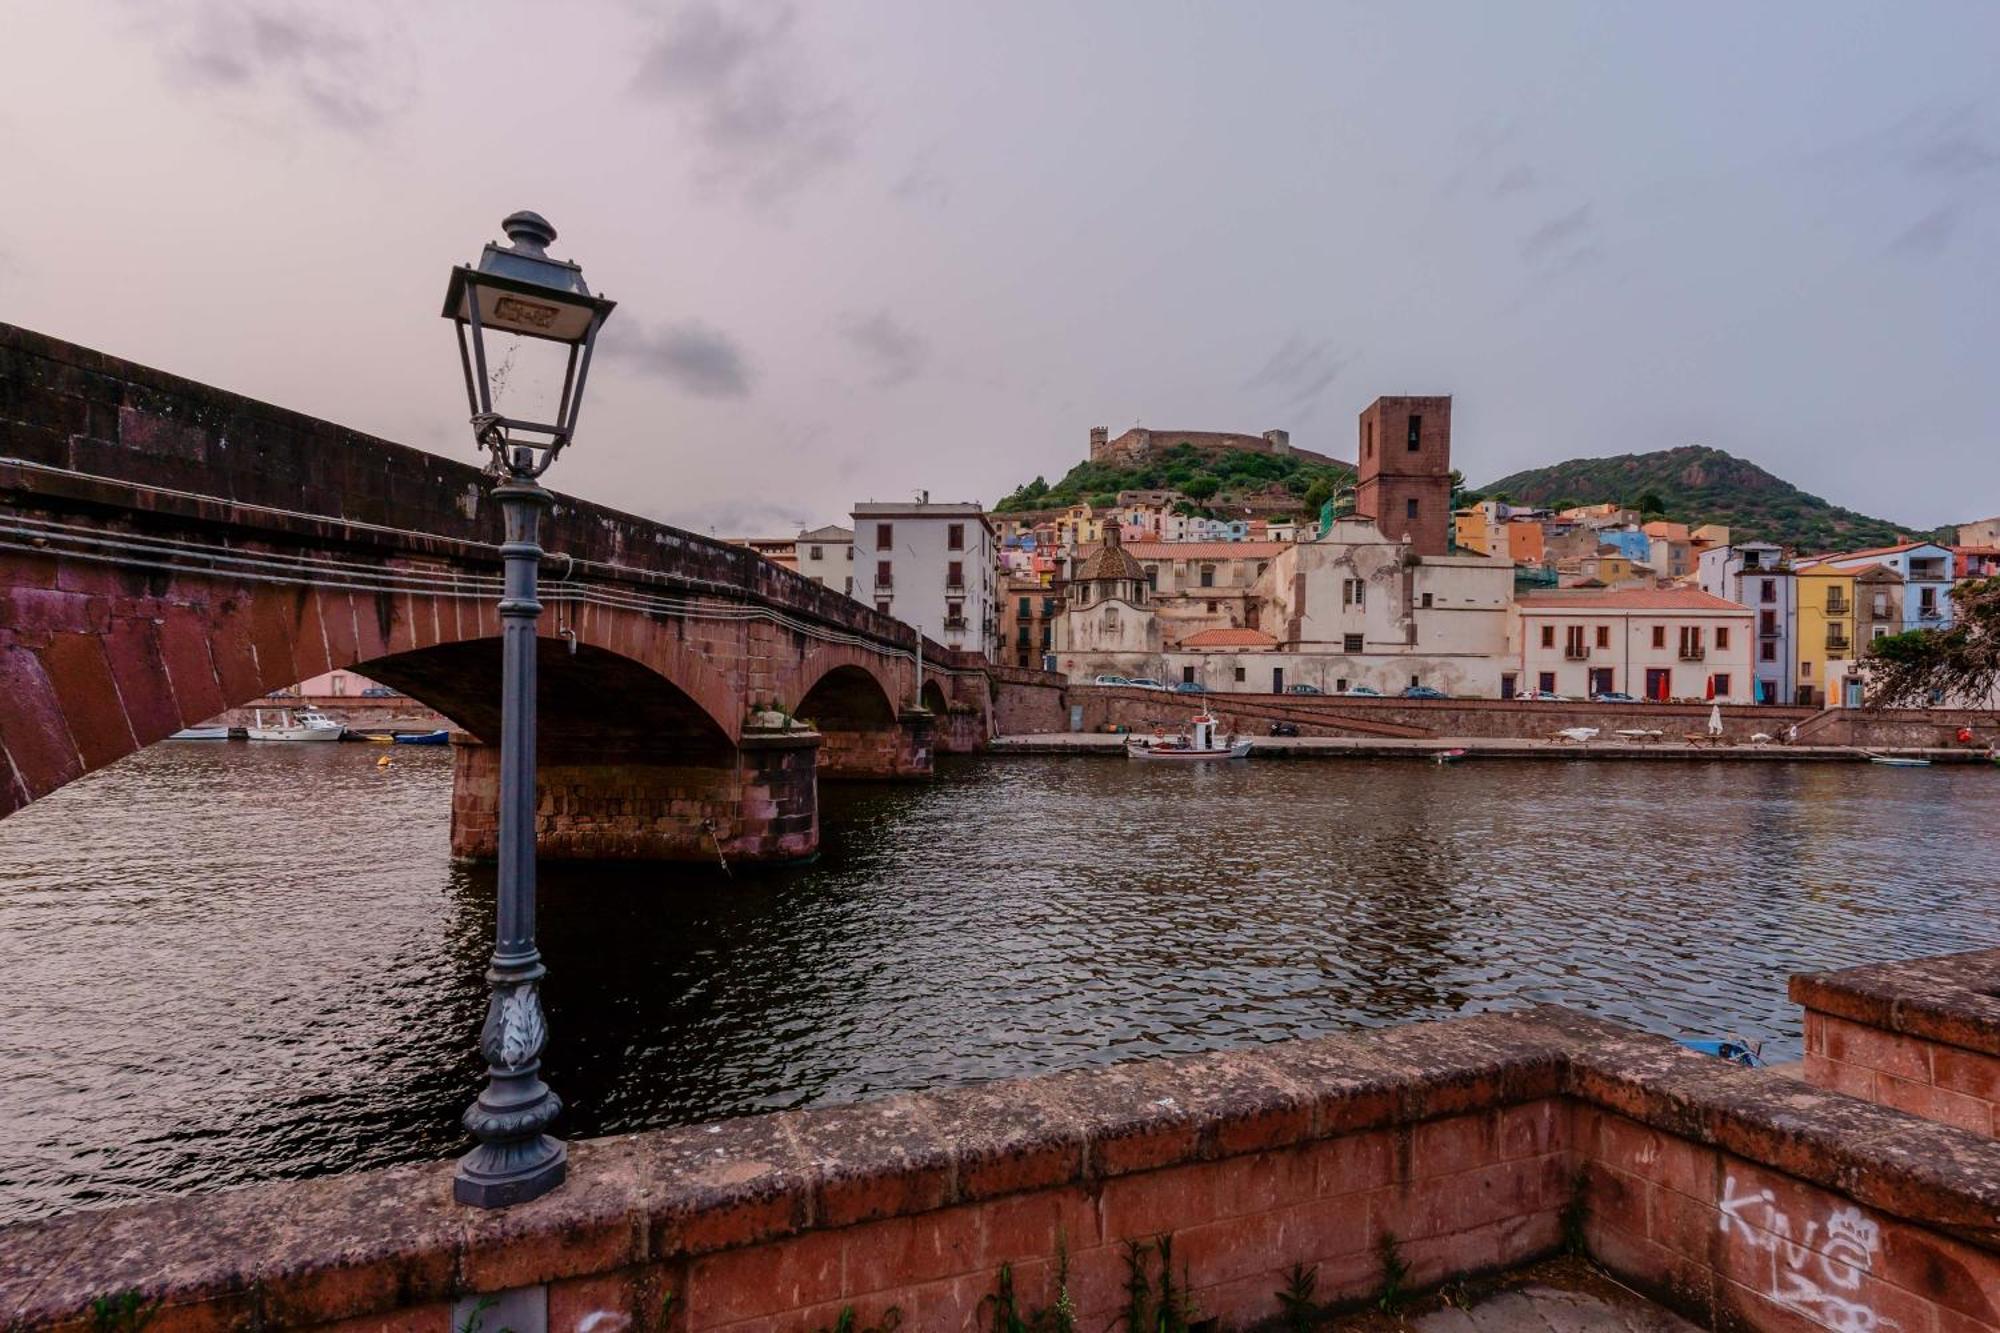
(1548, 636)
(1768, 652)
(1211, 608)
(954, 574)
(1427, 599)
(1659, 636)
(1805, 670)
(1208, 576)
(1350, 643)
(1368, 440)
(1722, 685)
(1546, 682)
(1769, 592)
(1048, 606)
(1691, 642)
(1340, 686)
(1881, 632)
(1414, 682)
(1021, 637)
(954, 613)
(1416, 432)
(1604, 636)
(882, 605)
(883, 578)
(849, 589)
(1239, 673)
(1025, 605)
(1721, 638)
(1187, 675)
(1410, 507)
(815, 553)
(850, 555)
(1767, 622)
(954, 537)
(885, 536)
(1573, 642)
(1352, 592)
(1881, 603)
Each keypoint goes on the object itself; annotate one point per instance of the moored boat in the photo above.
(288, 724)
(1896, 760)
(200, 734)
(1200, 741)
(439, 737)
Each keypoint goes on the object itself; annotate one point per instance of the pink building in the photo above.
(1652, 643)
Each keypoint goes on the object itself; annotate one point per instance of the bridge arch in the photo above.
(932, 698)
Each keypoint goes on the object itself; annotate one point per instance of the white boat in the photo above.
(200, 734)
(289, 724)
(1896, 760)
(1202, 741)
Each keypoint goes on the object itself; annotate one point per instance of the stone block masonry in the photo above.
(1922, 1036)
(1741, 1198)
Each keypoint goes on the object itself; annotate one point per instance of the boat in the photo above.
(1449, 756)
(1201, 741)
(200, 734)
(438, 737)
(294, 724)
(1896, 760)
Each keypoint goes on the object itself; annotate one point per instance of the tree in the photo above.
(1105, 500)
(1649, 503)
(1958, 665)
(1202, 486)
(1563, 502)
(1317, 495)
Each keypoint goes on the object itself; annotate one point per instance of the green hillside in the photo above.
(1208, 479)
(1696, 485)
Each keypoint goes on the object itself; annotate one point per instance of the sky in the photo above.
(866, 249)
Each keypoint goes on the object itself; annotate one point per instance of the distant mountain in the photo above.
(1215, 478)
(1696, 485)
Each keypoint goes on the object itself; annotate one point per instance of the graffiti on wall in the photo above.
(1819, 1265)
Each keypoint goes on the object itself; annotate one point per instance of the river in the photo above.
(229, 963)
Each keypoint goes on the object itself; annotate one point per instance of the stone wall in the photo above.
(1026, 703)
(900, 750)
(1739, 1197)
(758, 802)
(1923, 1037)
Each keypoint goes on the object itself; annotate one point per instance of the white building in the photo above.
(928, 565)
(1652, 643)
(826, 556)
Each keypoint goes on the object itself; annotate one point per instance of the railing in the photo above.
(954, 589)
(954, 622)
(1693, 654)
(1837, 606)
(1575, 653)
(1930, 613)
(883, 583)
(1837, 642)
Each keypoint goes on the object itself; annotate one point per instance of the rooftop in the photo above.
(1630, 599)
(1201, 550)
(1229, 637)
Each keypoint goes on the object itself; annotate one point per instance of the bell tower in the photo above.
(1404, 470)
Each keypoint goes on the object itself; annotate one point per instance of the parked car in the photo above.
(1361, 692)
(1110, 680)
(1612, 697)
(378, 692)
(1303, 689)
(1284, 728)
(1145, 683)
(1424, 692)
(1543, 697)
(1190, 687)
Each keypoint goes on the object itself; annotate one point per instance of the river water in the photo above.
(228, 962)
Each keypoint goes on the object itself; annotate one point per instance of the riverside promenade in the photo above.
(1488, 747)
(1382, 1164)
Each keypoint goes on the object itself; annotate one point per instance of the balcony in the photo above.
(954, 623)
(1575, 653)
(883, 583)
(954, 587)
(1693, 652)
(1837, 606)
(1930, 613)
(1837, 643)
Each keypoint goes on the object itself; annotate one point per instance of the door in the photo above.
(1600, 680)
(1853, 694)
(1659, 683)
(1277, 680)
(1507, 686)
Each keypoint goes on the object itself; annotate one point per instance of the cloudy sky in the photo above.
(862, 249)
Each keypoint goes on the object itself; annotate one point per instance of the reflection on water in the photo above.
(232, 962)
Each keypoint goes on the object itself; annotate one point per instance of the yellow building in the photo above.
(1472, 528)
(1826, 645)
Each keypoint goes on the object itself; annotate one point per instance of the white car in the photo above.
(1145, 683)
(1542, 697)
(1111, 680)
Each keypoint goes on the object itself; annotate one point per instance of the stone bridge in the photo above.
(169, 550)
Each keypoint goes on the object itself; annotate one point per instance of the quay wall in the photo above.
(1923, 1036)
(1027, 703)
(1739, 1197)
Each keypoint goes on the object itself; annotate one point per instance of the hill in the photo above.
(1694, 485)
(1212, 478)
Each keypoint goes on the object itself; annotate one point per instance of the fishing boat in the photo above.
(200, 734)
(438, 737)
(294, 724)
(1200, 741)
(1896, 760)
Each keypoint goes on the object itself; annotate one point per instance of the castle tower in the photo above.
(1404, 466)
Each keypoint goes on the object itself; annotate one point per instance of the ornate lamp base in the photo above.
(501, 1174)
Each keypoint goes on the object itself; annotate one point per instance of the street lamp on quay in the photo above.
(518, 289)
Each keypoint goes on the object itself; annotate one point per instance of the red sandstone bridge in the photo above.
(169, 550)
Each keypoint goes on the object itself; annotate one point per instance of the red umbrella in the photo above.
(1711, 688)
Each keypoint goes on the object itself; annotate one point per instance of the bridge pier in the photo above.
(757, 803)
(896, 751)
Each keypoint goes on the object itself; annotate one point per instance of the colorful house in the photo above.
(1655, 643)
(1825, 632)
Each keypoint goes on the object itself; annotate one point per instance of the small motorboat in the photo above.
(439, 737)
(294, 724)
(1201, 741)
(1896, 760)
(1449, 756)
(1733, 1049)
(200, 734)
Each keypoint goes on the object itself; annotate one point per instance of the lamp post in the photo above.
(518, 289)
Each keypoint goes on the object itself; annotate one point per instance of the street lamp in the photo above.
(517, 289)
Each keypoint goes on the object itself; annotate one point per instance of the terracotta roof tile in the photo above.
(1229, 637)
(1631, 599)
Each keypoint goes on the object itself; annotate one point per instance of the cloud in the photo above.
(1562, 243)
(689, 356)
(1298, 373)
(347, 78)
(1929, 234)
(738, 82)
(1514, 180)
(897, 354)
